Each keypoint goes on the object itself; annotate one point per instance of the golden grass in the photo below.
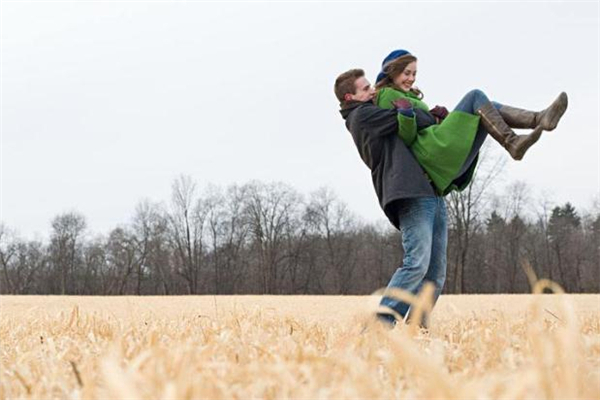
(306, 347)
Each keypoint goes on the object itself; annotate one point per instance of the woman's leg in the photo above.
(476, 102)
(472, 101)
(548, 118)
(471, 157)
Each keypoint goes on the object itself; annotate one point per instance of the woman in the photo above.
(446, 145)
(447, 148)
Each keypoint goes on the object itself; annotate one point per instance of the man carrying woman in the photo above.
(418, 155)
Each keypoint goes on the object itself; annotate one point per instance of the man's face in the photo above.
(364, 91)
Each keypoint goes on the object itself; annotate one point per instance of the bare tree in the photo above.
(543, 218)
(565, 231)
(21, 262)
(236, 232)
(188, 221)
(465, 209)
(495, 251)
(516, 200)
(333, 222)
(67, 231)
(216, 215)
(8, 249)
(264, 238)
(270, 210)
(227, 234)
(148, 230)
(94, 260)
(121, 257)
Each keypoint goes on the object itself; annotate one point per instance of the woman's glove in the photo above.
(402, 104)
(439, 112)
(404, 107)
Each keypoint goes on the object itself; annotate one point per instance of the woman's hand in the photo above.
(404, 107)
(402, 104)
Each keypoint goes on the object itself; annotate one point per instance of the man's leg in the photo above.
(416, 218)
(436, 273)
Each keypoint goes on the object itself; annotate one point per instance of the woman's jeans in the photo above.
(470, 104)
(424, 228)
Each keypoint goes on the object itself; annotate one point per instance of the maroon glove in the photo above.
(402, 104)
(439, 112)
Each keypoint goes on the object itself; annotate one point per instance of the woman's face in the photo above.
(407, 78)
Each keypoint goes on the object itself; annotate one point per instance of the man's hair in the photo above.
(345, 83)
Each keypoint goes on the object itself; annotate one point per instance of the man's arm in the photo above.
(424, 119)
(377, 121)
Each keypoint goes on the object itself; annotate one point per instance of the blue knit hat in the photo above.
(391, 57)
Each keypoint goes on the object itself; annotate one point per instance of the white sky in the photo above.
(105, 103)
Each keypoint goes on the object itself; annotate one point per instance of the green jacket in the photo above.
(442, 149)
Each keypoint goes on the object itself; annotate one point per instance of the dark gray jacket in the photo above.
(395, 172)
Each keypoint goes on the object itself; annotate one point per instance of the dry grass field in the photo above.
(306, 347)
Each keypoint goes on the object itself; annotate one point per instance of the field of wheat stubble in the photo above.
(297, 347)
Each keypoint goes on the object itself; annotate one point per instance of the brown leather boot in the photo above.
(494, 124)
(548, 118)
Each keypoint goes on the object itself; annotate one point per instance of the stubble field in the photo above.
(308, 347)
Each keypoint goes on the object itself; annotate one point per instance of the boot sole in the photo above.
(533, 137)
(562, 102)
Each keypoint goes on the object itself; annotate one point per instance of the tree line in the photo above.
(267, 238)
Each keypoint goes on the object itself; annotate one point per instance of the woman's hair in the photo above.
(395, 68)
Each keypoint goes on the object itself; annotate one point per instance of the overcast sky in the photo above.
(106, 103)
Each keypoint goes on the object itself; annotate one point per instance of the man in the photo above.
(405, 193)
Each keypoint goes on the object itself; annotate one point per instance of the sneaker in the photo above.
(387, 319)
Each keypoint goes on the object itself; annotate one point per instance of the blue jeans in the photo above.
(424, 228)
(470, 103)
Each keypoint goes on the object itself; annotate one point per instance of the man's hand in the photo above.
(439, 112)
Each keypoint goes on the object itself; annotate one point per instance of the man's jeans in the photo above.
(424, 228)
